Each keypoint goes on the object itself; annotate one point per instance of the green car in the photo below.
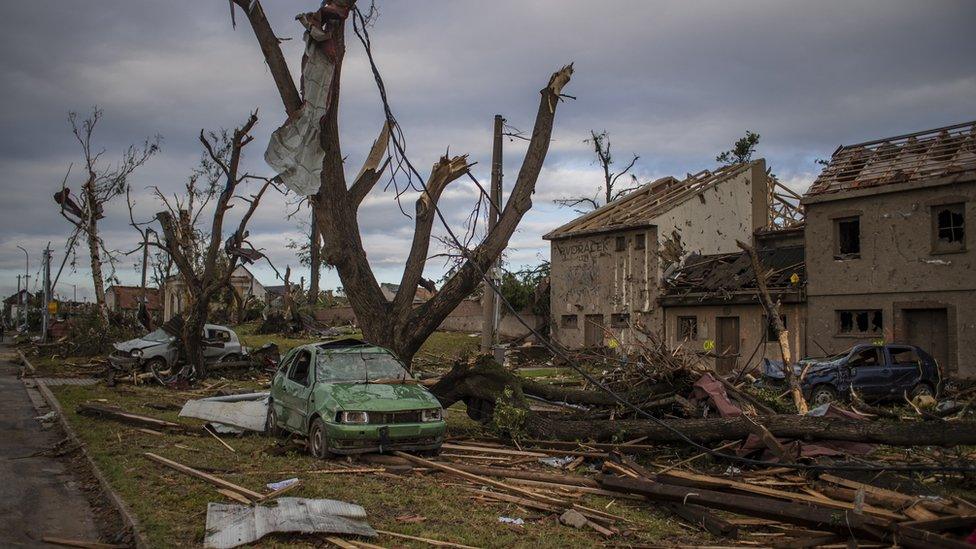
(350, 397)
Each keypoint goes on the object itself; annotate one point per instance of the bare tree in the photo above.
(609, 189)
(196, 253)
(102, 184)
(310, 139)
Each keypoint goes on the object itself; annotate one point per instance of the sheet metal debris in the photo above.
(230, 525)
(248, 411)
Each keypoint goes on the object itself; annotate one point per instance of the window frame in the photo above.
(294, 364)
(621, 244)
(838, 240)
(620, 320)
(565, 323)
(640, 241)
(940, 246)
(694, 331)
(854, 332)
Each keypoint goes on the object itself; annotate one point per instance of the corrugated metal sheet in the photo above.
(230, 525)
(246, 414)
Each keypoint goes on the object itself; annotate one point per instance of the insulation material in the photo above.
(250, 414)
(294, 150)
(230, 525)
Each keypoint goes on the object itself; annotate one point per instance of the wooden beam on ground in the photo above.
(216, 481)
(699, 516)
(434, 542)
(129, 418)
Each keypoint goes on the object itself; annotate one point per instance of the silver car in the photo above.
(158, 352)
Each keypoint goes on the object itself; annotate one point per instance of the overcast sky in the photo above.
(674, 82)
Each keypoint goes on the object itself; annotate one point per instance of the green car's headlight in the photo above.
(354, 417)
(433, 414)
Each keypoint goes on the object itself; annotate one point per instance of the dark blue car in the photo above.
(876, 372)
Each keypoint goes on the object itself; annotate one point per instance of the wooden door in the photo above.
(929, 329)
(593, 331)
(726, 342)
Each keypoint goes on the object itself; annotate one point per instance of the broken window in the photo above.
(640, 241)
(300, 368)
(869, 322)
(904, 356)
(848, 239)
(619, 320)
(770, 331)
(949, 228)
(687, 328)
(866, 357)
(569, 321)
(621, 243)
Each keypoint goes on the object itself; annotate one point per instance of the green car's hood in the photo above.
(377, 397)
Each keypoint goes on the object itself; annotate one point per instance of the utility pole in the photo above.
(46, 291)
(26, 296)
(489, 302)
(20, 306)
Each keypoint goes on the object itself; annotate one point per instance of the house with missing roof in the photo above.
(712, 303)
(608, 266)
(890, 250)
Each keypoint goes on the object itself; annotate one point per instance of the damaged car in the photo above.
(350, 397)
(158, 352)
(874, 372)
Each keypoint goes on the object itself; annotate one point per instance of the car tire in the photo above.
(271, 428)
(823, 394)
(921, 389)
(318, 442)
(161, 371)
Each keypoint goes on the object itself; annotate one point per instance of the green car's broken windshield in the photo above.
(352, 367)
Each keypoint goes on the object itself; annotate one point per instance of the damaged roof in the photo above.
(639, 207)
(912, 157)
(722, 275)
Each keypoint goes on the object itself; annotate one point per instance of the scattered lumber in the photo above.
(700, 516)
(216, 481)
(434, 542)
(802, 514)
(120, 415)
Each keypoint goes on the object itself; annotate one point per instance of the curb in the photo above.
(138, 537)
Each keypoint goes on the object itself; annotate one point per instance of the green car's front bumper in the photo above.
(360, 439)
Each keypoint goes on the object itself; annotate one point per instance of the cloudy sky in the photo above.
(674, 82)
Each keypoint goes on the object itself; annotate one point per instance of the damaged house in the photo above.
(711, 302)
(890, 248)
(607, 266)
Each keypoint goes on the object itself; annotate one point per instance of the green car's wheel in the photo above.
(318, 444)
(271, 423)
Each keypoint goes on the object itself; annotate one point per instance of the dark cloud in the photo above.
(675, 82)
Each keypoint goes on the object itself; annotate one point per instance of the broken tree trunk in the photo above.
(772, 314)
(483, 386)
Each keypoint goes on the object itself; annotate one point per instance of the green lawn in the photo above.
(172, 506)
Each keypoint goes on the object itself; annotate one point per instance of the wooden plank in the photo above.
(699, 516)
(80, 543)
(570, 480)
(205, 477)
(803, 514)
(943, 523)
(434, 542)
(479, 479)
(896, 498)
(234, 496)
(488, 450)
(686, 478)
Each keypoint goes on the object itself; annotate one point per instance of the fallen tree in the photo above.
(486, 387)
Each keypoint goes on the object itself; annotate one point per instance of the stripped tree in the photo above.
(205, 272)
(609, 189)
(102, 184)
(307, 154)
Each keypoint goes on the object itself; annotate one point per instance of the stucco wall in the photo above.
(589, 276)
(753, 346)
(896, 268)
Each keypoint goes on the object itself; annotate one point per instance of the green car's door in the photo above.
(278, 385)
(296, 388)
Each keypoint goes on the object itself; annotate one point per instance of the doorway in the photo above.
(726, 343)
(593, 331)
(929, 329)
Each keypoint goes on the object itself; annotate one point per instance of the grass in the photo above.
(172, 506)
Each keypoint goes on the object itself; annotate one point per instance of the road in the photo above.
(39, 496)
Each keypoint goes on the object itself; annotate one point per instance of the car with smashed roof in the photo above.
(347, 396)
(158, 351)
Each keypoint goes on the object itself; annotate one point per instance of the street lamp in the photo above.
(26, 285)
